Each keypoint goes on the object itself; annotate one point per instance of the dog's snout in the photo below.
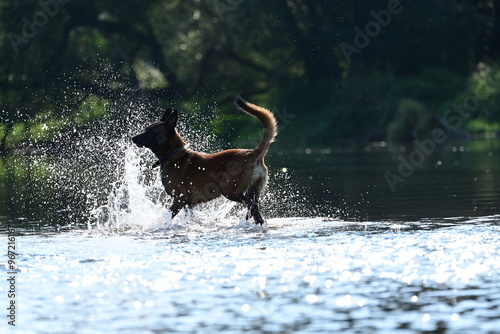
(136, 140)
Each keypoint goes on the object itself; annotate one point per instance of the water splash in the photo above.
(138, 203)
(132, 203)
(108, 184)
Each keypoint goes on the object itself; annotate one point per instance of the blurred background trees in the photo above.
(67, 63)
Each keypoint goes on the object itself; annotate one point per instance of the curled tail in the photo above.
(265, 117)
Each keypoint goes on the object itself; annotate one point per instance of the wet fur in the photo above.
(193, 178)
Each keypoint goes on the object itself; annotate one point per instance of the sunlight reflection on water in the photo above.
(307, 275)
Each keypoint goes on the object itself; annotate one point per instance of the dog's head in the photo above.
(157, 136)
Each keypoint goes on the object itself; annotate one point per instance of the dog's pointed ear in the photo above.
(166, 115)
(172, 120)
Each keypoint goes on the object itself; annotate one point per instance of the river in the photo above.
(366, 239)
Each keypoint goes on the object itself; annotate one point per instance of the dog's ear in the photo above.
(172, 120)
(166, 115)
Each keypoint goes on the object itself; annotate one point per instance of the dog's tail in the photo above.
(265, 117)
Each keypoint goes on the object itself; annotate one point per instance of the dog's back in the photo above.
(229, 173)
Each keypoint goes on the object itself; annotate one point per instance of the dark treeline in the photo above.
(331, 70)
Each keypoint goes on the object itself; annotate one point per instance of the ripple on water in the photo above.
(299, 274)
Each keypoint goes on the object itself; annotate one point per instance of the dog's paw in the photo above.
(259, 220)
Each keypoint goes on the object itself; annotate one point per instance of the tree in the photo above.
(57, 55)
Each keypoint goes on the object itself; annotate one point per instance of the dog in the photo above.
(192, 178)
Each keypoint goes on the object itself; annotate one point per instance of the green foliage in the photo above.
(92, 108)
(481, 125)
(17, 135)
(286, 55)
(485, 87)
(3, 130)
(43, 127)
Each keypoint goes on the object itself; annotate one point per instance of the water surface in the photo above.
(300, 275)
(341, 251)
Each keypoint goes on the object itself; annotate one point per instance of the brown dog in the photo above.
(192, 177)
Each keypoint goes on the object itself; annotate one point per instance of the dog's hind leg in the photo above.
(254, 207)
(176, 207)
(251, 199)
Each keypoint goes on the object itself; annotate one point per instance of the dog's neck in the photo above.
(168, 155)
(175, 145)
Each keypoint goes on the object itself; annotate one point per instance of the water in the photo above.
(299, 275)
(341, 251)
